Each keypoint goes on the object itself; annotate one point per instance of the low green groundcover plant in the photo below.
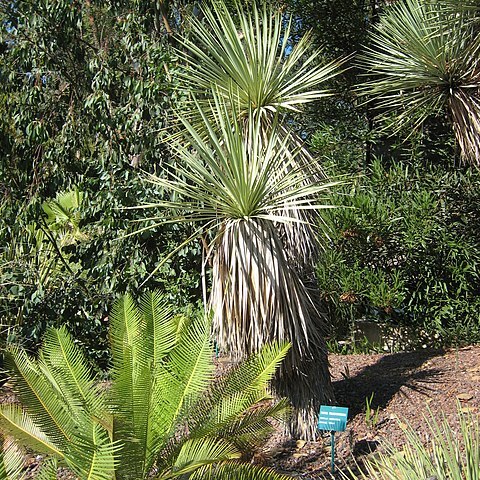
(162, 414)
(446, 453)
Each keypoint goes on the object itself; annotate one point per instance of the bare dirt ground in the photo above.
(404, 387)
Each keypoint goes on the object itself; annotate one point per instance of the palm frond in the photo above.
(64, 215)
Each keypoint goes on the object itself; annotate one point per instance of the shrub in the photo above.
(406, 251)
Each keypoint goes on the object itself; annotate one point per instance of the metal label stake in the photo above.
(332, 419)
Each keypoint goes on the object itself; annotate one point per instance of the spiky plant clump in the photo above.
(444, 453)
(163, 416)
(424, 59)
(249, 59)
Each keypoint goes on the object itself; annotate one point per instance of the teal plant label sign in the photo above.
(333, 419)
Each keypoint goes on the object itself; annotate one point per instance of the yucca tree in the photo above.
(244, 76)
(162, 415)
(424, 59)
(243, 187)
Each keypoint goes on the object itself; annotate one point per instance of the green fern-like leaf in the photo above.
(196, 453)
(11, 460)
(48, 470)
(160, 327)
(66, 363)
(36, 390)
(15, 422)
(236, 471)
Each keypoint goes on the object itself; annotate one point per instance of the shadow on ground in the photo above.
(392, 374)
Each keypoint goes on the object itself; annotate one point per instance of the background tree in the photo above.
(84, 90)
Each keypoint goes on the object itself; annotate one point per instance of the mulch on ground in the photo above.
(405, 386)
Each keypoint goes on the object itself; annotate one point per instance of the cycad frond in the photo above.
(93, 457)
(190, 361)
(157, 407)
(69, 369)
(255, 425)
(11, 460)
(185, 376)
(35, 389)
(127, 330)
(61, 417)
(236, 392)
(160, 329)
(236, 471)
(15, 422)
(48, 470)
(196, 453)
(131, 396)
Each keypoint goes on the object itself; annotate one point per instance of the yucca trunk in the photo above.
(258, 297)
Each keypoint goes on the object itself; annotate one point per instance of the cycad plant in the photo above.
(160, 416)
(254, 188)
(424, 59)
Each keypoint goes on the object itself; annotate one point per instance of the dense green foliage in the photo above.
(84, 91)
(87, 92)
(162, 414)
(405, 249)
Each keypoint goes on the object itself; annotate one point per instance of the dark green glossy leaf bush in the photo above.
(406, 248)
